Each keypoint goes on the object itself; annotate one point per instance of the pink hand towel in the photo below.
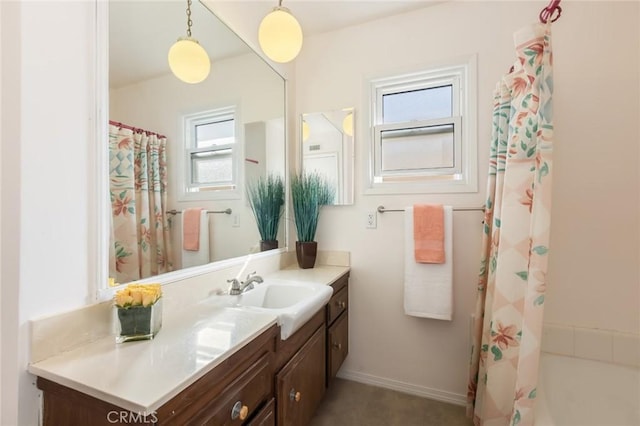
(191, 229)
(428, 233)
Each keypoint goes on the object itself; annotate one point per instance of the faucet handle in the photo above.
(234, 289)
(250, 274)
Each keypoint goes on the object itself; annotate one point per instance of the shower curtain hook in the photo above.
(547, 14)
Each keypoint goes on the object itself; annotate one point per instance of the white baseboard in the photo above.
(423, 391)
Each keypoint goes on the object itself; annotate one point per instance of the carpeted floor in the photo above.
(348, 403)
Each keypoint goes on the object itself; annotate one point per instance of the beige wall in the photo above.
(593, 271)
(48, 61)
(593, 275)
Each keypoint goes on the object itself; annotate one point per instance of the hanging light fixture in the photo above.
(347, 124)
(280, 35)
(188, 60)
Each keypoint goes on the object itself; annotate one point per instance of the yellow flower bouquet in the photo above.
(139, 310)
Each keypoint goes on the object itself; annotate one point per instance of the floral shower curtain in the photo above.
(140, 235)
(511, 287)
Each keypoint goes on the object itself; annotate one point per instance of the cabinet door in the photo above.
(300, 385)
(338, 345)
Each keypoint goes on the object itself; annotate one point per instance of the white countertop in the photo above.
(142, 376)
(326, 275)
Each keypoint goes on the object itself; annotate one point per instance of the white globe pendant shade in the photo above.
(189, 61)
(280, 35)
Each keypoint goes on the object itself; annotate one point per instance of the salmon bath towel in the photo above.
(428, 233)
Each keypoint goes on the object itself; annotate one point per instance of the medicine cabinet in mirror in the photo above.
(221, 134)
(327, 147)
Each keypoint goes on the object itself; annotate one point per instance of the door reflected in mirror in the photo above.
(220, 134)
(327, 147)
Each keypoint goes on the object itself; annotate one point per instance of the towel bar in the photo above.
(381, 209)
(226, 211)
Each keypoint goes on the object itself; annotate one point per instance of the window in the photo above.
(422, 132)
(211, 152)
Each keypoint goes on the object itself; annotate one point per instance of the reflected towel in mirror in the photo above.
(201, 255)
(191, 229)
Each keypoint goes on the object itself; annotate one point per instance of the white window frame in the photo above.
(461, 74)
(228, 190)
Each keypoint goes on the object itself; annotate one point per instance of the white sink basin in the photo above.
(294, 303)
(277, 295)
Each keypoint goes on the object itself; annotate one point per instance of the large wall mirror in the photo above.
(327, 147)
(208, 139)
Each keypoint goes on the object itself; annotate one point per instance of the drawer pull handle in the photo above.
(337, 345)
(239, 411)
(294, 396)
(341, 304)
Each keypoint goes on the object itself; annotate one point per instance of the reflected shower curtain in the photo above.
(140, 235)
(511, 287)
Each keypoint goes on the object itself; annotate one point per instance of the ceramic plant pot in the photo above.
(306, 252)
(268, 245)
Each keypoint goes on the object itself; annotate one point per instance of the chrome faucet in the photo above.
(238, 287)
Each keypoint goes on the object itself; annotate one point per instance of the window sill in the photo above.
(210, 195)
(441, 185)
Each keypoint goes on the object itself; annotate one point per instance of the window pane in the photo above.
(417, 149)
(423, 104)
(212, 167)
(215, 133)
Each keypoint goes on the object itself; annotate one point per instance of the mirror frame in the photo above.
(98, 161)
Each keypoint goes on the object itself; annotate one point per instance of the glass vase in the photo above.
(138, 322)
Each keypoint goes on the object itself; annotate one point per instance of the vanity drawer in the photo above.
(266, 416)
(337, 346)
(243, 397)
(338, 304)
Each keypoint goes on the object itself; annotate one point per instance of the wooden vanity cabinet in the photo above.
(337, 327)
(244, 380)
(268, 382)
(310, 358)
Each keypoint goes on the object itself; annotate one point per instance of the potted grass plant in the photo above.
(266, 198)
(309, 191)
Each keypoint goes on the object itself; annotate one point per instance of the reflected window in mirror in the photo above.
(211, 151)
(327, 146)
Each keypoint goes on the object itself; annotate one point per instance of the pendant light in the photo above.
(306, 131)
(280, 35)
(188, 60)
(347, 124)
